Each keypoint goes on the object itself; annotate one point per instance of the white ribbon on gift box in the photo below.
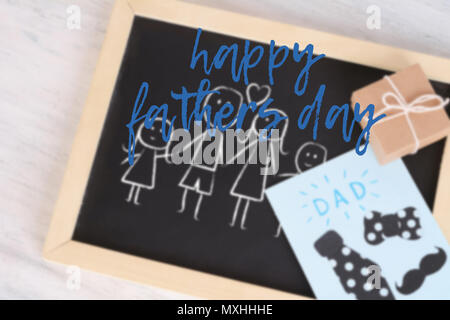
(416, 106)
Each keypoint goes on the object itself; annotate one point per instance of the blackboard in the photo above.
(159, 53)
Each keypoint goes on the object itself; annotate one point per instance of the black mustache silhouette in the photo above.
(429, 264)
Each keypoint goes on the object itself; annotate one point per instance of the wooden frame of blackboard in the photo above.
(60, 247)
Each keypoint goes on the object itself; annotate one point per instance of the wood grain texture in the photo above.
(418, 25)
(45, 72)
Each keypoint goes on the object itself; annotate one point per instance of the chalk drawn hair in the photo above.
(281, 135)
(220, 88)
(141, 131)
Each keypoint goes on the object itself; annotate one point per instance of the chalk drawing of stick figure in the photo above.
(142, 174)
(309, 155)
(250, 183)
(199, 177)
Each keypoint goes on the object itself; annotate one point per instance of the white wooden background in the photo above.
(45, 71)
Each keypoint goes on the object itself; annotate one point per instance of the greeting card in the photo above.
(363, 231)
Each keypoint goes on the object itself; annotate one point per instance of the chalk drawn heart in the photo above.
(258, 94)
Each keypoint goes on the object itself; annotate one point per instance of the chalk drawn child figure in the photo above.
(309, 155)
(200, 176)
(251, 183)
(150, 146)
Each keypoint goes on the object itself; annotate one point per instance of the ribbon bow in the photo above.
(416, 106)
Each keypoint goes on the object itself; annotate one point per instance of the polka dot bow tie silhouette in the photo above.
(405, 224)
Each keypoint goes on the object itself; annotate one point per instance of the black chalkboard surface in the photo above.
(159, 53)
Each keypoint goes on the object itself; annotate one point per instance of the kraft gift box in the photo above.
(415, 115)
